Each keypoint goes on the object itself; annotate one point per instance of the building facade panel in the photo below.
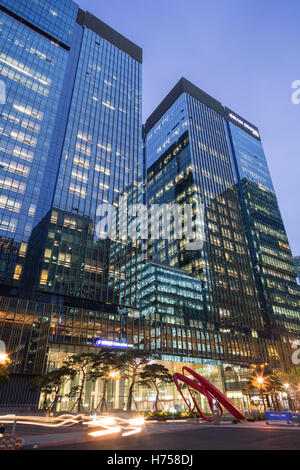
(54, 17)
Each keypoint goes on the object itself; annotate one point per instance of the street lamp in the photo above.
(259, 383)
(3, 358)
(113, 374)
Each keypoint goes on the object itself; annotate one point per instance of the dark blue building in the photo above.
(271, 255)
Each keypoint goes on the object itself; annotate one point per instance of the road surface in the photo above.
(206, 438)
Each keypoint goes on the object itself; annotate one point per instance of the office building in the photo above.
(198, 152)
(70, 141)
(270, 250)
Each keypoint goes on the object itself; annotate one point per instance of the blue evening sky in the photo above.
(243, 53)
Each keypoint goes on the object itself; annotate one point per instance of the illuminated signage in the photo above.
(238, 120)
(105, 343)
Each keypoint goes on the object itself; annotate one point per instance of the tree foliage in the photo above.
(156, 376)
(292, 376)
(51, 383)
(4, 374)
(83, 364)
(134, 361)
(107, 361)
(267, 382)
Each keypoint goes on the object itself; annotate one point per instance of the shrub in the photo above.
(158, 415)
(261, 417)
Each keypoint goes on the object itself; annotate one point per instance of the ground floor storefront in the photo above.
(40, 336)
(231, 379)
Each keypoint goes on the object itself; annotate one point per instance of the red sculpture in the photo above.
(200, 384)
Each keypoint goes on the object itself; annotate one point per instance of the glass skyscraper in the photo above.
(32, 66)
(188, 161)
(197, 151)
(70, 140)
(270, 250)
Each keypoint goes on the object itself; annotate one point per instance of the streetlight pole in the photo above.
(263, 400)
(290, 401)
(260, 382)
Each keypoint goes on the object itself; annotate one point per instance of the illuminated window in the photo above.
(18, 271)
(23, 249)
(44, 277)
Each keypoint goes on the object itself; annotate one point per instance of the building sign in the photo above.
(111, 344)
(249, 128)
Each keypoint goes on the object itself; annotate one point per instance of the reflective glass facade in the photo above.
(70, 141)
(100, 162)
(54, 17)
(31, 66)
(271, 254)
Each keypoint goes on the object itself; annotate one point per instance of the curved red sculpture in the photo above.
(202, 385)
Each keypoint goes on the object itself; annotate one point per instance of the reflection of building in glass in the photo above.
(297, 264)
(73, 119)
(32, 65)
